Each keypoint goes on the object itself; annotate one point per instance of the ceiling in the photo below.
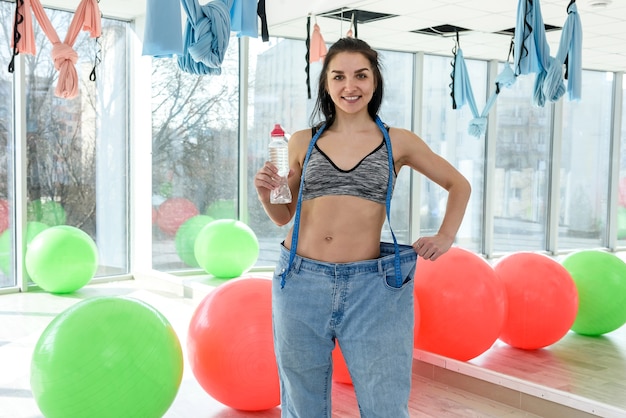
(604, 31)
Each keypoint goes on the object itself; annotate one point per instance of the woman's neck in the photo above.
(352, 122)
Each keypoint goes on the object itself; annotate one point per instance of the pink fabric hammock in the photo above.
(86, 17)
(318, 46)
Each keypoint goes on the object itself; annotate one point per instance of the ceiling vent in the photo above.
(360, 16)
(441, 30)
(547, 27)
(599, 4)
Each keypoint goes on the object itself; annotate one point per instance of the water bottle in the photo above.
(279, 156)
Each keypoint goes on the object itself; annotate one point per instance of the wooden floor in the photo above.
(576, 377)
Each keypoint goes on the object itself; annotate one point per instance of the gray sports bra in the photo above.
(368, 179)
(296, 218)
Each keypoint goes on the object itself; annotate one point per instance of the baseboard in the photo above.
(526, 396)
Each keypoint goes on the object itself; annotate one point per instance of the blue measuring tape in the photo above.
(296, 221)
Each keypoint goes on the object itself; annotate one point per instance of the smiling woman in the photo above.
(343, 171)
(350, 82)
(278, 94)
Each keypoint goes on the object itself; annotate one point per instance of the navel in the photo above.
(328, 238)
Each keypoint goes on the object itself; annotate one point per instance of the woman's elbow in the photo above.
(462, 188)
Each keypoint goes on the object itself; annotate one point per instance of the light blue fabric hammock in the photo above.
(207, 34)
(163, 34)
(532, 53)
(243, 18)
(462, 91)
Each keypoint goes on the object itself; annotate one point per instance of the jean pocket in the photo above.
(392, 282)
(282, 267)
(407, 274)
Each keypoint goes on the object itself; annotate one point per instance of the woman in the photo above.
(335, 280)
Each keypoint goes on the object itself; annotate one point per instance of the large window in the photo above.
(397, 111)
(194, 152)
(621, 202)
(522, 167)
(76, 149)
(77, 159)
(446, 132)
(7, 278)
(585, 171)
(277, 93)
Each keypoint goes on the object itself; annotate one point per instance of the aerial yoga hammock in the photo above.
(462, 90)
(315, 50)
(163, 33)
(316, 46)
(243, 19)
(87, 17)
(207, 34)
(532, 53)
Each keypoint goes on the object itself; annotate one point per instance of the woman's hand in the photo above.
(266, 180)
(431, 248)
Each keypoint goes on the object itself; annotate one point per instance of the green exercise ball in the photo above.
(107, 357)
(600, 279)
(185, 239)
(226, 248)
(222, 209)
(6, 254)
(621, 222)
(49, 212)
(61, 259)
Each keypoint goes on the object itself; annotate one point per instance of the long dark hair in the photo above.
(324, 109)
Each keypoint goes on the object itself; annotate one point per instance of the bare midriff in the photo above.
(339, 229)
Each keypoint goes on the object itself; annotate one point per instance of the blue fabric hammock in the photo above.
(243, 18)
(462, 92)
(532, 53)
(207, 34)
(163, 34)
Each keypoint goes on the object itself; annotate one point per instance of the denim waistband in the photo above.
(383, 262)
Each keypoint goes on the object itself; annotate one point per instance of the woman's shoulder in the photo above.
(302, 135)
(299, 141)
(404, 134)
(406, 143)
(400, 132)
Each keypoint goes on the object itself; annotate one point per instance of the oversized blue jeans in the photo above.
(358, 304)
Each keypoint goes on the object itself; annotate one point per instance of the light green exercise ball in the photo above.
(49, 212)
(61, 259)
(107, 357)
(600, 279)
(185, 239)
(226, 248)
(6, 247)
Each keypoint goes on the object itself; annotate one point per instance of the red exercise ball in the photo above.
(4, 215)
(230, 345)
(462, 305)
(622, 192)
(173, 212)
(542, 300)
(341, 373)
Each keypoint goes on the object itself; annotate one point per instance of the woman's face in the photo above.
(351, 82)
